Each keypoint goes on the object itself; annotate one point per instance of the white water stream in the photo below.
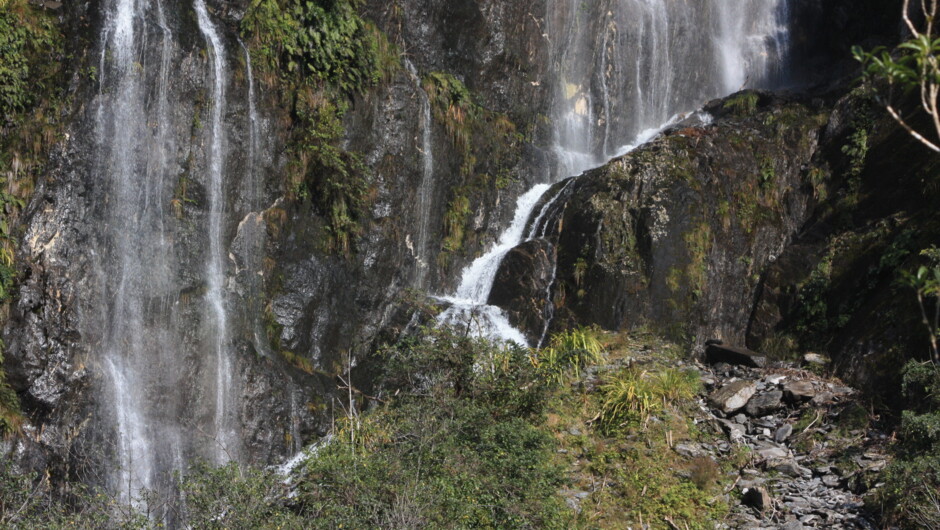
(646, 61)
(227, 438)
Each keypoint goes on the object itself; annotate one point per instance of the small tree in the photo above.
(914, 65)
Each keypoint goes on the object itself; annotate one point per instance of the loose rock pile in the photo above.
(812, 451)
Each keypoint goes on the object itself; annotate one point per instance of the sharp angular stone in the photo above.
(733, 396)
(764, 403)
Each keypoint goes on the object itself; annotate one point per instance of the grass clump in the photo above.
(568, 352)
(633, 395)
(742, 104)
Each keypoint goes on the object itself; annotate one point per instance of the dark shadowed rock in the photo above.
(758, 498)
(720, 353)
(764, 403)
(521, 287)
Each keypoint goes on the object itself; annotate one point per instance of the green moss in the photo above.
(742, 104)
(455, 220)
(316, 55)
(699, 244)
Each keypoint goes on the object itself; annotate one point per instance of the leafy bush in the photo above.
(27, 37)
(234, 496)
(456, 447)
(910, 495)
(26, 502)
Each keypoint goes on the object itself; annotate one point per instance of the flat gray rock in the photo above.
(733, 396)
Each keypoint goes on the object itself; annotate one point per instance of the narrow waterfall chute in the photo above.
(218, 328)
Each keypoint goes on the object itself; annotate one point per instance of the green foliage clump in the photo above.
(26, 502)
(27, 36)
(457, 446)
(910, 496)
(568, 351)
(318, 54)
(233, 496)
(742, 104)
(10, 417)
(632, 395)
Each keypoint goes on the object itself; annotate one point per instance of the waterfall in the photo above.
(624, 69)
(169, 393)
(136, 263)
(215, 269)
(426, 188)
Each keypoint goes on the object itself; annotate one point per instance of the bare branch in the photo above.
(897, 117)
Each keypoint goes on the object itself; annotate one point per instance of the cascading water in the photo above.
(426, 188)
(165, 355)
(138, 261)
(217, 327)
(624, 70)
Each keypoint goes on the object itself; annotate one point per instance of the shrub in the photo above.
(233, 496)
(568, 351)
(633, 395)
(455, 447)
(704, 472)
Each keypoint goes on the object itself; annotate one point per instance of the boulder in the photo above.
(815, 359)
(758, 498)
(764, 403)
(720, 353)
(521, 286)
(798, 391)
(733, 396)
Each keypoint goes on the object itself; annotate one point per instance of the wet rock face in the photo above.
(285, 293)
(677, 233)
(522, 287)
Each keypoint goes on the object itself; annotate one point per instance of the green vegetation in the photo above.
(742, 104)
(914, 65)
(632, 395)
(910, 496)
(487, 143)
(463, 434)
(317, 55)
(10, 417)
(31, 59)
(567, 352)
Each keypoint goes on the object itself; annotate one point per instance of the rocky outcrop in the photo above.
(676, 234)
(522, 287)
